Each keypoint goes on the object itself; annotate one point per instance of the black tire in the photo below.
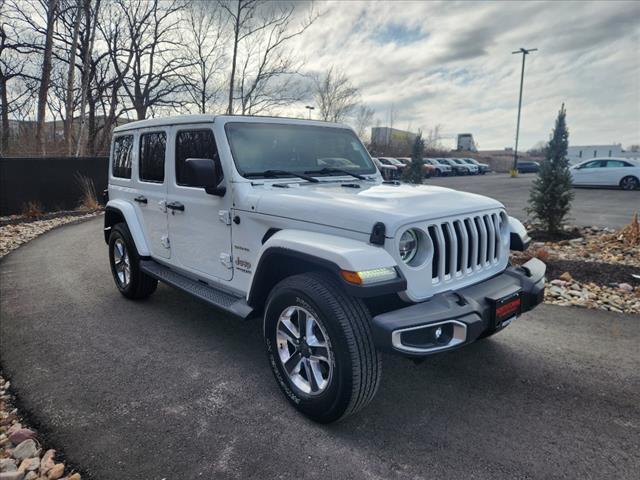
(139, 284)
(356, 366)
(629, 183)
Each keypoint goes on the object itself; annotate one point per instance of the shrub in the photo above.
(414, 173)
(32, 209)
(551, 195)
(89, 199)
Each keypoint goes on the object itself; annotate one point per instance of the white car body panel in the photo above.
(133, 222)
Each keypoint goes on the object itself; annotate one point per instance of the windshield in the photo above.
(395, 162)
(261, 147)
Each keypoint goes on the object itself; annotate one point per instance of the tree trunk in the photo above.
(235, 55)
(68, 105)
(88, 51)
(46, 76)
(4, 142)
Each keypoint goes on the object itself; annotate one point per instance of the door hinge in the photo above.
(164, 241)
(226, 260)
(225, 216)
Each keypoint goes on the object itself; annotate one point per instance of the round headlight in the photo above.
(408, 245)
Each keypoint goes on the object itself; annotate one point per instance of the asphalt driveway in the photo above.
(602, 207)
(170, 389)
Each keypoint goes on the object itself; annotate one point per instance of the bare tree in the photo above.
(145, 52)
(363, 119)
(15, 94)
(205, 27)
(335, 96)
(88, 40)
(69, 91)
(260, 30)
(432, 141)
(45, 78)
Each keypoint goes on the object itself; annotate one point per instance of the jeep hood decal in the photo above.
(358, 209)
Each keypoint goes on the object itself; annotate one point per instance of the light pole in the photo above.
(524, 53)
(309, 107)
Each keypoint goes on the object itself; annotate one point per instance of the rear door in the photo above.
(615, 170)
(152, 190)
(199, 223)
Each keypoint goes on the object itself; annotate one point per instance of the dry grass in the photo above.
(631, 233)
(32, 209)
(89, 199)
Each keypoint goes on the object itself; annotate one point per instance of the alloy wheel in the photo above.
(304, 350)
(121, 263)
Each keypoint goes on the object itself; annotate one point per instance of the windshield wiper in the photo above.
(280, 173)
(337, 170)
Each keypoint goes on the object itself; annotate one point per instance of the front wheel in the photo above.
(629, 183)
(320, 347)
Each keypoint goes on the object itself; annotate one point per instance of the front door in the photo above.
(590, 173)
(199, 223)
(152, 191)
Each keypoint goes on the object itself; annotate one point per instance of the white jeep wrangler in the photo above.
(291, 220)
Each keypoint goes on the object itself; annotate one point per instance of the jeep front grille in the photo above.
(465, 245)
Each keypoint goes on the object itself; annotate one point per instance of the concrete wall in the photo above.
(50, 181)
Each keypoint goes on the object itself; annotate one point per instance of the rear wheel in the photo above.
(125, 265)
(629, 183)
(320, 347)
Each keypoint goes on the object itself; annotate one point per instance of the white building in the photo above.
(466, 143)
(578, 153)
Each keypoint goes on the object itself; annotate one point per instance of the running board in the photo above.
(215, 297)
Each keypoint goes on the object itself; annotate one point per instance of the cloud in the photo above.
(450, 63)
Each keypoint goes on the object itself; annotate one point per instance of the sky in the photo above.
(450, 64)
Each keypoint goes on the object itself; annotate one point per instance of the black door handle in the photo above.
(176, 206)
(140, 199)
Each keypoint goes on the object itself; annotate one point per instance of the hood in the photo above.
(358, 209)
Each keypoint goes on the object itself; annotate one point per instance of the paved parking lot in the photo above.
(601, 207)
(170, 389)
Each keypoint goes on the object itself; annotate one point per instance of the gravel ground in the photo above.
(15, 234)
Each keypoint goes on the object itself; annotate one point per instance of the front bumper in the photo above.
(462, 316)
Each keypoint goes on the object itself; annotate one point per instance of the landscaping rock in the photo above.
(20, 435)
(8, 465)
(56, 471)
(12, 476)
(566, 276)
(29, 464)
(26, 449)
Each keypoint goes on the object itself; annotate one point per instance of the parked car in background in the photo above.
(482, 167)
(607, 172)
(393, 162)
(528, 167)
(388, 172)
(460, 168)
(441, 169)
(427, 169)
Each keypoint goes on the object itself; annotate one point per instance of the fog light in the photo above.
(438, 333)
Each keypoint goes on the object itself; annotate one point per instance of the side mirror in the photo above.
(202, 172)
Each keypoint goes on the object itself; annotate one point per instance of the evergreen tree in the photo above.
(413, 173)
(551, 195)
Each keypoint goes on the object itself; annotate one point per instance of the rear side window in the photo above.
(194, 144)
(121, 166)
(152, 150)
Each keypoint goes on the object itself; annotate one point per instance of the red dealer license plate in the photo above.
(507, 308)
